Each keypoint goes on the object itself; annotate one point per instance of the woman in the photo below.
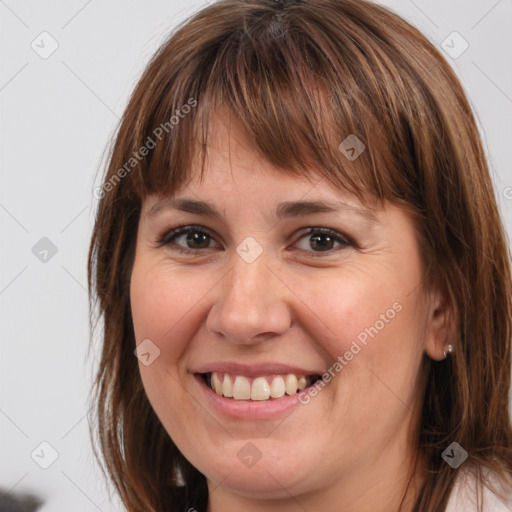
(339, 339)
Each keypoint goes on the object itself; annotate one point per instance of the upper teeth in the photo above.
(261, 388)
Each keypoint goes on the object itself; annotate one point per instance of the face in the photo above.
(264, 300)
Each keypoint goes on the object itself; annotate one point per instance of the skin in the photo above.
(351, 447)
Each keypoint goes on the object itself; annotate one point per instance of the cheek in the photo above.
(351, 307)
(165, 304)
(370, 323)
(363, 306)
(163, 310)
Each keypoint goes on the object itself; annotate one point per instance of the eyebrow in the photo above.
(285, 209)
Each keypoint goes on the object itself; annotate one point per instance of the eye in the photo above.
(195, 238)
(321, 240)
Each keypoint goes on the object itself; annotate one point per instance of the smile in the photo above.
(262, 388)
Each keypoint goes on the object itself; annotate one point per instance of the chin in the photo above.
(268, 477)
(263, 482)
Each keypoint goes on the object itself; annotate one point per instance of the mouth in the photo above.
(257, 389)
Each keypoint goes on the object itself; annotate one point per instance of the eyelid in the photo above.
(344, 240)
(183, 229)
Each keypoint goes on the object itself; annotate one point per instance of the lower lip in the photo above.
(248, 409)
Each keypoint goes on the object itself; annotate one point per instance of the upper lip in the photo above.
(253, 370)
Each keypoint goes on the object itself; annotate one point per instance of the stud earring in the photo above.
(449, 350)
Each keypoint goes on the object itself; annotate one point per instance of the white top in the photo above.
(464, 494)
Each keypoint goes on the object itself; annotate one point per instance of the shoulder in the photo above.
(496, 495)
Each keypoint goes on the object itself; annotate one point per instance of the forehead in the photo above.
(233, 161)
(235, 170)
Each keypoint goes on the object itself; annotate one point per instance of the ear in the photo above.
(440, 327)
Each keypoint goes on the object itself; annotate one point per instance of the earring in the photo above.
(449, 350)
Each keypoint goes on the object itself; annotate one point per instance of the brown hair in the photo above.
(299, 77)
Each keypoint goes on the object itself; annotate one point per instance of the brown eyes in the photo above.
(196, 239)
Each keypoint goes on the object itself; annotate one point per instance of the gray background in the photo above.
(57, 116)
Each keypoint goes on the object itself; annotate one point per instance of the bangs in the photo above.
(308, 102)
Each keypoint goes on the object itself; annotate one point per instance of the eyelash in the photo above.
(167, 239)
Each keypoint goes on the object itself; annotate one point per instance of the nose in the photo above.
(250, 305)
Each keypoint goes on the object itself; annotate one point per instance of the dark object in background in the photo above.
(10, 502)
